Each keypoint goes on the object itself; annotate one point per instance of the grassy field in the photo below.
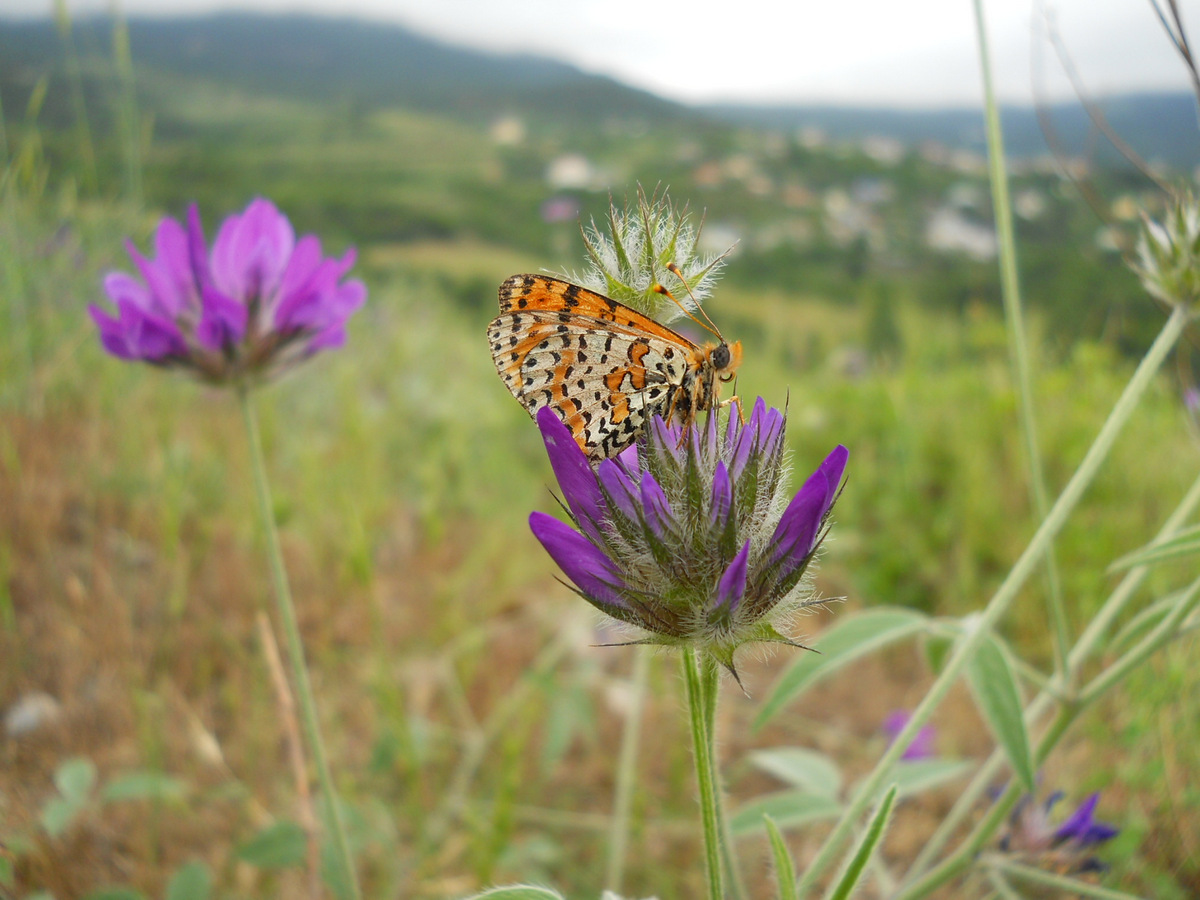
(472, 722)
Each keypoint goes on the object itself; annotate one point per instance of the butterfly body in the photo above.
(605, 368)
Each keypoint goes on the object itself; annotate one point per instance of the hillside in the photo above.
(373, 65)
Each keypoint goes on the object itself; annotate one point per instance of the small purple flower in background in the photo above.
(1065, 847)
(689, 535)
(258, 302)
(921, 746)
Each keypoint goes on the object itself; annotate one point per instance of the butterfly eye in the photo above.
(720, 357)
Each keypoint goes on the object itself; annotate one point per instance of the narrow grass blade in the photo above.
(862, 854)
(785, 870)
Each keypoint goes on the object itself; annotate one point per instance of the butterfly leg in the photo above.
(735, 401)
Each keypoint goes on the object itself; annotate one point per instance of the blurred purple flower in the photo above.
(1065, 847)
(921, 746)
(688, 534)
(257, 302)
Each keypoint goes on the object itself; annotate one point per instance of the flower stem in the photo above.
(1006, 593)
(618, 833)
(287, 615)
(1010, 289)
(701, 706)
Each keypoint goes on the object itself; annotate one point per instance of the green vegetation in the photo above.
(471, 724)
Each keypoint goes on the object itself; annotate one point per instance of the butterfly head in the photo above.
(725, 359)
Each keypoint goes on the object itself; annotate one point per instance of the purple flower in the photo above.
(921, 746)
(1066, 847)
(257, 302)
(690, 536)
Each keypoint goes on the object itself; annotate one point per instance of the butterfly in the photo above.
(606, 369)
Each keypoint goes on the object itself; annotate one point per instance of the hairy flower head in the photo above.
(689, 535)
(631, 255)
(255, 303)
(1168, 260)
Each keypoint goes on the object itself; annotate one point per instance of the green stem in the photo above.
(627, 769)
(1113, 606)
(700, 702)
(1006, 593)
(287, 615)
(733, 872)
(1010, 289)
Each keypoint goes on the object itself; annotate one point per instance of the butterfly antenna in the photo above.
(710, 326)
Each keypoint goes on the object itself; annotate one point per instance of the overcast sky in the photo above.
(886, 52)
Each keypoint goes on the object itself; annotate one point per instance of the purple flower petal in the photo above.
(122, 287)
(1081, 827)
(722, 496)
(222, 321)
(251, 251)
(112, 335)
(732, 586)
(137, 334)
(198, 249)
(663, 440)
(797, 529)
(591, 571)
(619, 488)
(575, 477)
(747, 439)
(656, 507)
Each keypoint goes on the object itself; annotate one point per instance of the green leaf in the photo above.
(862, 854)
(278, 846)
(800, 767)
(850, 639)
(115, 893)
(785, 869)
(58, 814)
(912, 776)
(143, 786)
(994, 684)
(191, 881)
(518, 892)
(75, 778)
(1184, 543)
(789, 809)
(6, 872)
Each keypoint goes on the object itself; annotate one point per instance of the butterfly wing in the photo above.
(603, 367)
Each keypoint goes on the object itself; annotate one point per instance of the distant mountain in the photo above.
(370, 63)
(1160, 127)
(374, 64)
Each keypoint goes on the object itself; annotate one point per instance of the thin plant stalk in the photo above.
(83, 133)
(287, 616)
(1097, 626)
(287, 710)
(700, 703)
(1006, 593)
(627, 771)
(127, 108)
(1010, 290)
